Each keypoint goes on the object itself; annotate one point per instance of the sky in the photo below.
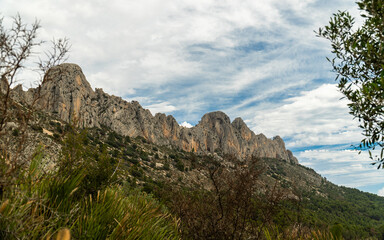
(258, 60)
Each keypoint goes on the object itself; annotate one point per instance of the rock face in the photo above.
(66, 92)
(215, 132)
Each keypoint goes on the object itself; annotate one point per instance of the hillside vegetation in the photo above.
(103, 185)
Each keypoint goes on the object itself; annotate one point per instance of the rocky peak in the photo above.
(213, 118)
(66, 92)
(67, 74)
(279, 141)
(238, 123)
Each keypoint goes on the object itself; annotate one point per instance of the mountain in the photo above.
(66, 93)
(191, 170)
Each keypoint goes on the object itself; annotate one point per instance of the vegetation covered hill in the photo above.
(112, 180)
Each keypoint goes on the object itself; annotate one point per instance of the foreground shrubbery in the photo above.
(239, 205)
(40, 204)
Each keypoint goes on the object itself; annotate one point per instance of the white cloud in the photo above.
(381, 192)
(316, 117)
(186, 124)
(154, 105)
(146, 42)
(162, 107)
(343, 167)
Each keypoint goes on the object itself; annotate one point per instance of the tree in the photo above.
(359, 64)
(17, 48)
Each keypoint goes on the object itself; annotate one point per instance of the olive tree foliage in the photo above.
(359, 64)
(19, 44)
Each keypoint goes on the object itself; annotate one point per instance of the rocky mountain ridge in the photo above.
(66, 92)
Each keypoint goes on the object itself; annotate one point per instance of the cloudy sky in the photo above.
(259, 60)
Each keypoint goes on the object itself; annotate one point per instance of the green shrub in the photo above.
(141, 139)
(115, 153)
(166, 166)
(37, 128)
(15, 132)
(153, 165)
(133, 161)
(148, 188)
(59, 129)
(42, 204)
(179, 165)
(136, 172)
(130, 151)
(56, 136)
(144, 156)
(113, 215)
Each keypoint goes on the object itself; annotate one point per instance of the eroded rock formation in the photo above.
(66, 92)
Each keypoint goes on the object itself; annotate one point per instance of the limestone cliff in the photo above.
(66, 92)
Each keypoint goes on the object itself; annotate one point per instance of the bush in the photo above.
(179, 165)
(133, 161)
(129, 151)
(153, 165)
(144, 156)
(37, 128)
(15, 132)
(141, 139)
(56, 136)
(115, 153)
(166, 166)
(42, 204)
(148, 188)
(229, 210)
(136, 172)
